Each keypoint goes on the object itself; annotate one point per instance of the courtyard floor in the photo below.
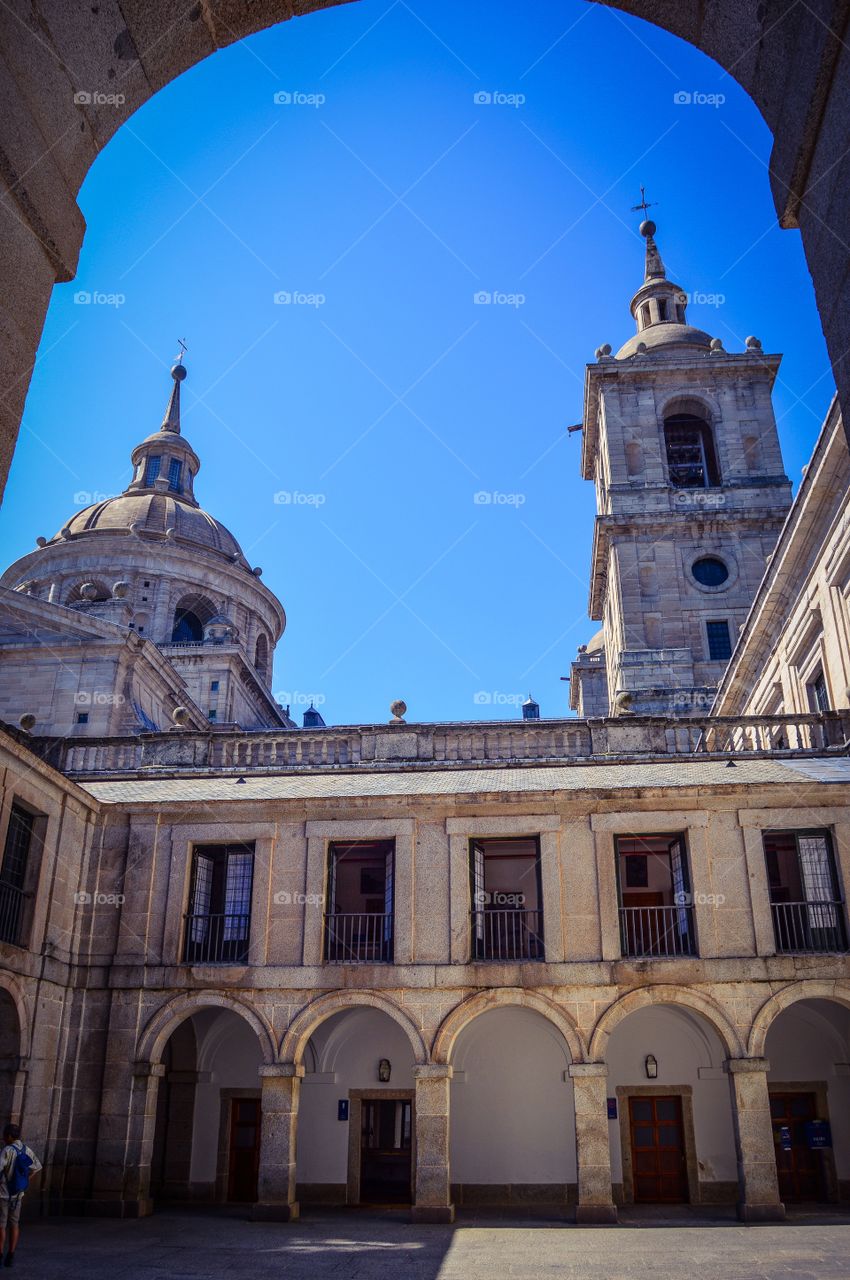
(348, 1246)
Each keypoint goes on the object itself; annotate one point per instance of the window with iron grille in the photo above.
(805, 896)
(153, 467)
(719, 640)
(359, 914)
(175, 475)
(506, 892)
(14, 870)
(218, 921)
(691, 460)
(818, 693)
(655, 899)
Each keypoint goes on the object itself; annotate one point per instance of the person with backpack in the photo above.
(17, 1165)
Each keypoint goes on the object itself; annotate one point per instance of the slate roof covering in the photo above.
(674, 773)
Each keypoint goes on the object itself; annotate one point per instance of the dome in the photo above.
(667, 339)
(596, 642)
(154, 513)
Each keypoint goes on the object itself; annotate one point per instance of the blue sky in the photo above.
(383, 197)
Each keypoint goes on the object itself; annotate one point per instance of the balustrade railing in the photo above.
(507, 935)
(657, 931)
(359, 938)
(217, 938)
(11, 913)
(809, 926)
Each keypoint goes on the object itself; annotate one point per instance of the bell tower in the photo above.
(680, 440)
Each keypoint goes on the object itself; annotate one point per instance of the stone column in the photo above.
(122, 1175)
(758, 1186)
(433, 1193)
(278, 1135)
(593, 1147)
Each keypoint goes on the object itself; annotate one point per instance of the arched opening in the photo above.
(191, 615)
(808, 1048)
(691, 456)
(512, 1127)
(358, 1068)
(261, 655)
(672, 1139)
(10, 1049)
(206, 1145)
(88, 592)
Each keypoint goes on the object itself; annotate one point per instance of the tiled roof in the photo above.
(443, 782)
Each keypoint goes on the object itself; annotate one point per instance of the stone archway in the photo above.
(685, 997)
(311, 1017)
(164, 1022)
(786, 56)
(505, 997)
(787, 996)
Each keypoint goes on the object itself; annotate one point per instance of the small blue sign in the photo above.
(612, 1108)
(785, 1137)
(818, 1135)
(342, 1109)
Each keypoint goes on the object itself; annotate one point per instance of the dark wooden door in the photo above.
(385, 1150)
(800, 1169)
(244, 1162)
(659, 1167)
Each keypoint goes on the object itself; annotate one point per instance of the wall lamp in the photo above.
(651, 1066)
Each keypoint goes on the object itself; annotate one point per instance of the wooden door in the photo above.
(800, 1170)
(386, 1150)
(244, 1160)
(659, 1168)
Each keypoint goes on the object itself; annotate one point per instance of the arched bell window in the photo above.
(191, 615)
(261, 655)
(691, 458)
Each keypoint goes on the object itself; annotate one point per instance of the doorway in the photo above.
(659, 1164)
(244, 1156)
(386, 1149)
(798, 1167)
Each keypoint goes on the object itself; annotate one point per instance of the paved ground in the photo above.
(355, 1246)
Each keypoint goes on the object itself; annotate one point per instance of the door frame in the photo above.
(226, 1098)
(821, 1091)
(686, 1093)
(355, 1121)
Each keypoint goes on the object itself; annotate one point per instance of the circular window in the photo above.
(710, 572)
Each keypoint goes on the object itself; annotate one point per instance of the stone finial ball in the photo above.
(178, 372)
(753, 344)
(41, 542)
(120, 589)
(716, 344)
(604, 350)
(180, 715)
(398, 708)
(257, 572)
(88, 591)
(647, 228)
(27, 721)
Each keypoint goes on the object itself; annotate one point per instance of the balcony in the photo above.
(809, 926)
(657, 932)
(507, 935)
(216, 939)
(364, 937)
(11, 913)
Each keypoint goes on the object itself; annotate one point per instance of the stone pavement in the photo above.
(348, 1246)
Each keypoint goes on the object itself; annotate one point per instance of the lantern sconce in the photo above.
(384, 1070)
(651, 1066)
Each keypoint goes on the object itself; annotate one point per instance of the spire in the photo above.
(655, 269)
(165, 462)
(660, 307)
(171, 421)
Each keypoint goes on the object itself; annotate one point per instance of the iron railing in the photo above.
(364, 937)
(220, 938)
(11, 913)
(507, 935)
(657, 931)
(809, 926)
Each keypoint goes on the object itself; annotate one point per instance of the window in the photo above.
(82, 717)
(219, 917)
(188, 628)
(656, 911)
(212, 714)
(146, 584)
(507, 921)
(691, 460)
(719, 641)
(20, 836)
(645, 317)
(710, 571)
(175, 475)
(261, 654)
(153, 467)
(359, 918)
(818, 693)
(662, 310)
(805, 898)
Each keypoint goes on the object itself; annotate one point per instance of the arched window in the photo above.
(93, 592)
(691, 460)
(261, 655)
(191, 615)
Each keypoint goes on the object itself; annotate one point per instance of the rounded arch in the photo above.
(191, 614)
(75, 594)
(261, 654)
(700, 405)
(161, 1024)
(308, 1019)
(808, 989)
(682, 996)
(9, 985)
(464, 1013)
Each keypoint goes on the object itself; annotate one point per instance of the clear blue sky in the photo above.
(398, 398)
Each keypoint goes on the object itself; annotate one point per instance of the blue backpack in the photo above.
(18, 1177)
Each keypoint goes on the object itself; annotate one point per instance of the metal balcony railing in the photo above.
(359, 938)
(657, 931)
(11, 913)
(809, 926)
(507, 935)
(220, 938)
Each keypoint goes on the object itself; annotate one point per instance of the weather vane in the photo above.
(644, 203)
(182, 343)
